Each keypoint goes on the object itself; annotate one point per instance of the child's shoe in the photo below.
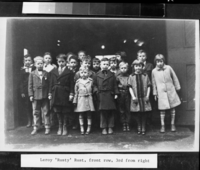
(173, 128)
(88, 130)
(124, 127)
(34, 132)
(162, 129)
(110, 131)
(64, 130)
(104, 131)
(47, 131)
(139, 130)
(59, 132)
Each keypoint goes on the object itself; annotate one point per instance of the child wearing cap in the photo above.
(39, 91)
(107, 91)
(165, 84)
(83, 100)
(24, 75)
(124, 95)
(62, 93)
(139, 87)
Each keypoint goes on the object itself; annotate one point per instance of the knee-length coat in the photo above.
(106, 88)
(83, 95)
(165, 83)
(62, 86)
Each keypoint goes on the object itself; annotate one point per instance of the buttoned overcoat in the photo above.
(62, 86)
(106, 88)
(39, 88)
(83, 95)
(165, 83)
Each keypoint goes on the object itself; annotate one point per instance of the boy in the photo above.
(106, 90)
(124, 97)
(113, 66)
(95, 65)
(24, 74)
(81, 54)
(62, 92)
(39, 92)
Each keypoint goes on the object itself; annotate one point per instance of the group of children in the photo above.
(70, 91)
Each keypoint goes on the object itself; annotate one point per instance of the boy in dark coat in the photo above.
(62, 93)
(24, 74)
(107, 91)
(39, 92)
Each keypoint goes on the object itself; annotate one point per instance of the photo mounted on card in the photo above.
(99, 84)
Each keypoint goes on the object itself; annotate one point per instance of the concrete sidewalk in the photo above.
(20, 139)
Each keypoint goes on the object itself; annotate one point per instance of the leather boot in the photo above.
(59, 124)
(65, 126)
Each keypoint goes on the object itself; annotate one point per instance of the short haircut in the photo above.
(141, 51)
(38, 58)
(123, 63)
(73, 57)
(104, 59)
(159, 57)
(86, 58)
(114, 59)
(47, 53)
(27, 56)
(82, 68)
(95, 60)
(81, 52)
(62, 56)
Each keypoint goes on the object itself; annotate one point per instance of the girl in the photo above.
(139, 87)
(165, 83)
(83, 99)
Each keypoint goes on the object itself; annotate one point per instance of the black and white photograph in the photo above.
(100, 84)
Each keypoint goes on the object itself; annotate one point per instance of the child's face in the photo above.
(113, 64)
(159, 63)
(61, 62)
(81, 55)
(27, 61)
(119, 58)
(86, 64)
(47, 59)
(96, 65)
(138, 68)
(142, 57)
(123, 69)
(84, 74)
(72, 63)
(104, 65)
(39, 65)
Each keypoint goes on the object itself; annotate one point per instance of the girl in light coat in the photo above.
(165, 84)
(83, 100)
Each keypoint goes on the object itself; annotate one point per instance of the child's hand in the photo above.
(155, 97)
(31, 98)
(146, 99)
(70, 98)
(135, 99)
(23, 95)
(115, 97)
(49, 97)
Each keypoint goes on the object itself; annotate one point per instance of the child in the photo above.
(124, 97)
(148, 67)
(68, 57)
(50, 68)
(73, 63)
(62, 92)
(86, 62)
(83, 99)
(113, 66)
(165, 85)
(39, 92)
(24, 74)
(96, 65)
(107, 91)
(81, 54)
(139, 87)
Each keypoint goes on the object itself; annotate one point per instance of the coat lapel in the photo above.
(110, 74)
(66, 71)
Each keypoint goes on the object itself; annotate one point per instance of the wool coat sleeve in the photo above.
(155, 92)
(175, 79)
(71, 84)
(116, 87)
(21, 83)
(95, 89)
(75, 100)
(49, 75)
(30, 85)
